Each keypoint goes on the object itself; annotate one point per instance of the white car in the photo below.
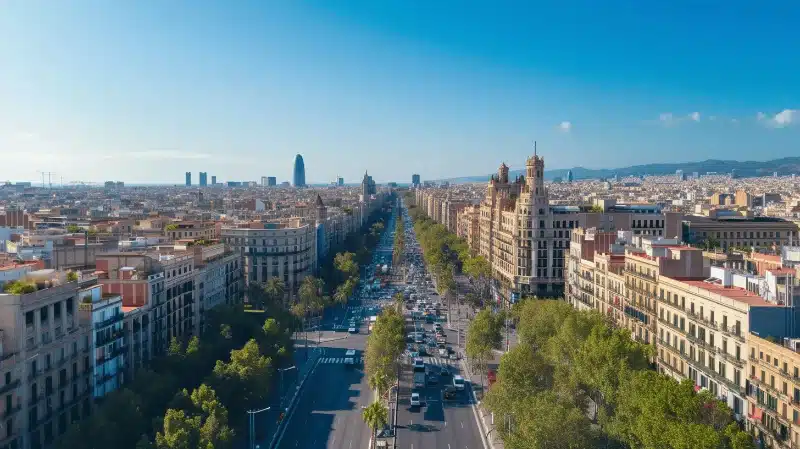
(353, 330)
(349, 357)
(458, 382)
(415, 401)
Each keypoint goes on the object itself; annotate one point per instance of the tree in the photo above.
(179, 432)
(243, 381)
(271, 328)
(346, 264)
(545, 421)
(175, 347)
(72, 276)
(275, 290)
(376, 416)
(310, 294)
(483, 335)
(399, 302)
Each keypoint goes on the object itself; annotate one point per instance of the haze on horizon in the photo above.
(144, 91)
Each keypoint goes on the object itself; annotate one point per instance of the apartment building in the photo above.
(527, 240)
(161, 278)
(218, 278)
(773, 394)
(732, 228)
(468, 227)
(284, 249)
(104, 314)
(698, 317)
(191, 230)
(46, 361)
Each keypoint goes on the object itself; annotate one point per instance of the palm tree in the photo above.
(399, 302)
(379, 381)
(275, 289)
(376, 416)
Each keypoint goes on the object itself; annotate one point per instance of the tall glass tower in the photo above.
(299, 172)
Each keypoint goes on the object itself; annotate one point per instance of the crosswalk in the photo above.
(438, 361)
(338, 360)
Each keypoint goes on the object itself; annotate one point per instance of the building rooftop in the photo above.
(735, 293)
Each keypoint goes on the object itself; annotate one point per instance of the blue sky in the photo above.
(142, 91)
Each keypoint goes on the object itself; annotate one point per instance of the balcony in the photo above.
(767, 387)
(8, 413)
(113, 336)
(646, 276)
(109, 321)
(732, 331)
(9, 386)
(671, 325)
(114, 353)
(700, 342)
(730, 358)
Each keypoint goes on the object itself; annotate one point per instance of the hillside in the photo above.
(784, 166)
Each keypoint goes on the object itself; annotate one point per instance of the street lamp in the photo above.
(281, 370)
(251, 415)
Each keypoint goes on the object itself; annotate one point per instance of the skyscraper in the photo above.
(340, 181)
(263, 181)
(188, 178)
(203, 179)
(271, 181)
(415, 180)
(569, 176)
(213, 180)
(299, 172)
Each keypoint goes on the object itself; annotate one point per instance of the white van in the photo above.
(458, 382)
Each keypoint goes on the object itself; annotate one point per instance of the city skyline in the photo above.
(385, 88)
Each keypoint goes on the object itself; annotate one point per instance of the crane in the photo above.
(49, 177)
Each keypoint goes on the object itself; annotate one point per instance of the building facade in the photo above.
(299, 172)
(284, 249)
(46, 361)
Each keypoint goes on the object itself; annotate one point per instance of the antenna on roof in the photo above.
(534, 148)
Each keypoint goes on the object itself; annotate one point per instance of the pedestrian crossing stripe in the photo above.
(436, 361)
(338, 360)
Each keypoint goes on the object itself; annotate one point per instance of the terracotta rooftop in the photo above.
(735, 293)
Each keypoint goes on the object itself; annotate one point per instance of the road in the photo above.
(438, 423)
(328, 411)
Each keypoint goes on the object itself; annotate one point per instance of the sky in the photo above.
(143, 91)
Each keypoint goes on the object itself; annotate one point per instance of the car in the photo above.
(349, 357)
(443, 352)
(450, 392)
(415, 400)
(446, 371)
(419, 364)
(458, 382)
(353, 330)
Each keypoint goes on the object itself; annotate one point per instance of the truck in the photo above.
(419, 380)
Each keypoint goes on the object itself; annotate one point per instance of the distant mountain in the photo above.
(784, 166)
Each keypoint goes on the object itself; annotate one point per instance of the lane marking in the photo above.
(462, 424)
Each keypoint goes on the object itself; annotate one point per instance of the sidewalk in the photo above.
(486, 426)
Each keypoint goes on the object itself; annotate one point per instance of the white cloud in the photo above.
(713, 118)
(565, 126)
(786, 117)
(666, 117)
(695, 116)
